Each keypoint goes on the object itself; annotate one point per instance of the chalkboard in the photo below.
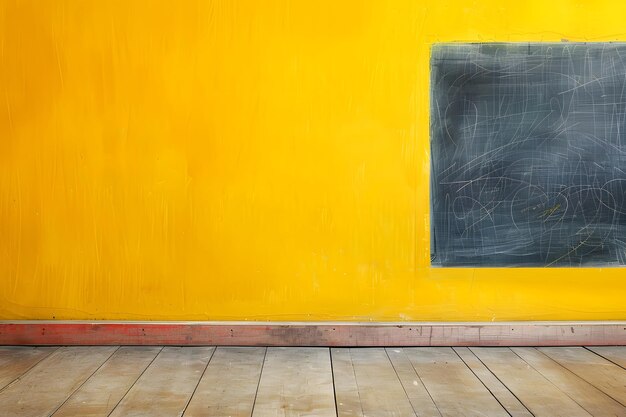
(528, 153)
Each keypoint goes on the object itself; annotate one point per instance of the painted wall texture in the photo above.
(241, 160)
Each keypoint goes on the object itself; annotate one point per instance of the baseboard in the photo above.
(312, 334)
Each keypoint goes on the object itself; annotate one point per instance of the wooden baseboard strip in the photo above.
(312, 334)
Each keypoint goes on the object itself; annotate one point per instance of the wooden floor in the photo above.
(273, 382)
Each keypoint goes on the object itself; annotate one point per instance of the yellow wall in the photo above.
(250, 160)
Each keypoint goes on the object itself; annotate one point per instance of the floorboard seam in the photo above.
(400, 381)
(28, 370)
(550, 381)
(356, 381)
(83, 383)
(256, 393)
(422, 381)
(588, 382)
(482, 382)
(198, 383)
(603, 357)
(137, 379)
(502, 382)
(332, 373)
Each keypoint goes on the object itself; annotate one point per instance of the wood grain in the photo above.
(42, 390)
(537, 393)
(16, 360)
(229, 385)
(346, 387)
(166, 386)
(380, 390)
(296, 382)
(312, 334)
(616, 354)
(454, 388)
(311, 382)
(101, 393)
(417, 393)
(599, 372)
(512, 405)
(586, 395)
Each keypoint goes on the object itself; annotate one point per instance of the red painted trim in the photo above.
(312, 334)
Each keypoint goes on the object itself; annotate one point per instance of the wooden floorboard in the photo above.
(536, 392)
(599, 372)
(346, 388)
(380, 390)
(312, 382)
(229, 385)
(594, 401)
(15, 361)
(505, 397)
(418, 395)
(105, 388)
(166, 386)
(45, 387)
(296, 382)
(452, 385)
(616, 354)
